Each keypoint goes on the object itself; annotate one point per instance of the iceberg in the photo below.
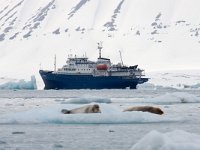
(20, 84)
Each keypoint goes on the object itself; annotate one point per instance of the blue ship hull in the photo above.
(65, 81)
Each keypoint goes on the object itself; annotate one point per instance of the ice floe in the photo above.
(174, 140)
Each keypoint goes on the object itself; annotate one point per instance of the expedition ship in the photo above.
(81, 73)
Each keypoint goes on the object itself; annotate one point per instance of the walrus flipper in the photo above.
(65, 111)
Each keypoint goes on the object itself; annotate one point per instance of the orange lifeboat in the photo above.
(102, 67)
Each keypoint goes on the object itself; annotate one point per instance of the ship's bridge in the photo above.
(77, 60)
(78, 65)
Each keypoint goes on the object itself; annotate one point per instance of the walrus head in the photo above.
(65, 111)
(96, 109)
(159, 111)
(156, 110)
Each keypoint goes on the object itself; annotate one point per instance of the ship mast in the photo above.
(100, 47)
(55, 63)
(121, 58)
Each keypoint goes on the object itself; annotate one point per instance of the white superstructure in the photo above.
(102, 67)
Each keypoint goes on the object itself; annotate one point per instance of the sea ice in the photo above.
(174, 140)
(176, 97)
(87, 100)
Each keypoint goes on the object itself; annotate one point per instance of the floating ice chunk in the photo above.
(21, 84)
(88, 100)
(111, 114)
(175, 140)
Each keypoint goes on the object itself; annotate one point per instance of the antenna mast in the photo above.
(121, 58)
(55, 63)
(100, 47)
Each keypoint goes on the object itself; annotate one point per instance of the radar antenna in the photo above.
(100, 47)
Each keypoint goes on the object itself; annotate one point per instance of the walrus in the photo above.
(150, 109)
(85, 109)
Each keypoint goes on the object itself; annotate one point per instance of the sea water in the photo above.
(32, 119)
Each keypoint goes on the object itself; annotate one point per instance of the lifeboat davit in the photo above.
(102, 67)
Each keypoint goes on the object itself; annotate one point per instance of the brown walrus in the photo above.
(150, 109)
(85, 109)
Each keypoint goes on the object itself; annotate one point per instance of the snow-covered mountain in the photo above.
(156, 34)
